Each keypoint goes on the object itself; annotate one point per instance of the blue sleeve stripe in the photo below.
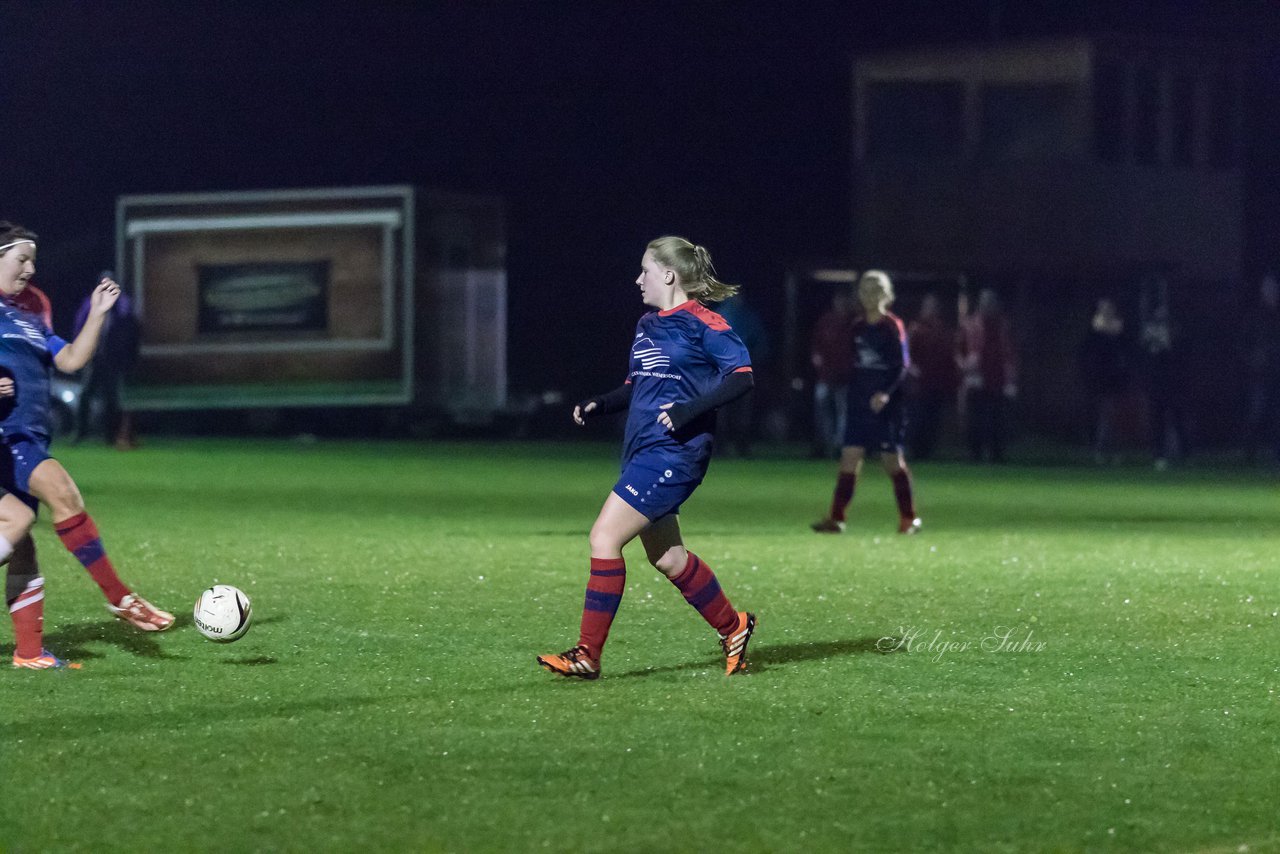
(55, 344)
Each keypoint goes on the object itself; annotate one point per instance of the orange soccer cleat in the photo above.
(44, 661)
(572, 662)
(735, 644)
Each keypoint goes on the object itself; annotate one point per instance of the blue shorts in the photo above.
(655, 492)
(18, 459)
(884, 434)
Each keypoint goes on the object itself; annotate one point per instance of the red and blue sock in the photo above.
(81, 538)
(604, 594)
(700, 588)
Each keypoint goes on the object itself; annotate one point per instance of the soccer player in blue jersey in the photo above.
(28, 352)
(685, 363)
(23, 586)
(875, 417)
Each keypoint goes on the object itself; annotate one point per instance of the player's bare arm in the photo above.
(77, 354)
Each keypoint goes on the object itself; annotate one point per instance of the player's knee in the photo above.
(603, 542)
(16, 519)
(65, 501)
(850, 465)
(670, 562)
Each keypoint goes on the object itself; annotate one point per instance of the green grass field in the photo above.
(1066, 659)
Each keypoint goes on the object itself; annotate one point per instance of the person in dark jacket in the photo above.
(1105, 366)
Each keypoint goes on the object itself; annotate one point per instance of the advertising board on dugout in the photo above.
(330, 297)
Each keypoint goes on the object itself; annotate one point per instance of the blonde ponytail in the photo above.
(693, 264)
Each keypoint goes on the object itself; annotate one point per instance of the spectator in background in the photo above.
(1263, 341)
(931, 383)
(831, 353)
(1105, 363)
(1165, 386)
(989, 366)
(106, 374)
(738, 418)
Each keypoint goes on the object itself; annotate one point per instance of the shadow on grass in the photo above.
(761, 658)
(164, 716)
(71, 641)
(254, 661)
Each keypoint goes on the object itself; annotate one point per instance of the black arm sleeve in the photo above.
(734, 386)
(902, 362)
(608, 403)
(897, 383)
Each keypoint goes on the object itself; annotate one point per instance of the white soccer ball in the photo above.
(223, 613)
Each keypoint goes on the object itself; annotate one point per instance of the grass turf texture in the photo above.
(387, 696)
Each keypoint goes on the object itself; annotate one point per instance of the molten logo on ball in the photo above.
(223, 613)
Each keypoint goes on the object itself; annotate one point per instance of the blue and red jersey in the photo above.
(27, 348)
(677, 355)
(881, 359)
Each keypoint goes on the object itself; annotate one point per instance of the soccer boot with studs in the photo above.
(734, 644)
(576, 662)
(140, 613)
(44, 661)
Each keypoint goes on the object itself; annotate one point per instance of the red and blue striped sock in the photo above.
(81, 538)
(604, 594)
(700, 588)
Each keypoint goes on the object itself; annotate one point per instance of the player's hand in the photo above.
(6, 387)
(580, 412)
(879, 401)
(664, 418)
(104, 296)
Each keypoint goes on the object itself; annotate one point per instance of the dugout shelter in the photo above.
(386, 296)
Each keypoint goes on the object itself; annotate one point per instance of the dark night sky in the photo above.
(602, 124)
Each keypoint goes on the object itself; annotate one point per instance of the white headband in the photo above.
(16, 243)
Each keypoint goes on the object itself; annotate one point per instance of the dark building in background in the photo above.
(1057, 171)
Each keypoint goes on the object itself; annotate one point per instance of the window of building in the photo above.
(915, 119)
(1030, 121)
(1109, 111)
(1183, 104)
(1146, 117)
(1222, 122)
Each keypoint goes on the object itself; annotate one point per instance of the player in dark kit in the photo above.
(685, 363)
(876, 418)
(28, 353)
